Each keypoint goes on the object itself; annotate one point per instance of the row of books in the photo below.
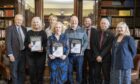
(126, 3)
(2, 33)
(111, 3)
(116, 12)
(137, 32)
(5, 23)
(129, 21)
(114, 31)
(137, 22)
(7, 13)
(137, 43)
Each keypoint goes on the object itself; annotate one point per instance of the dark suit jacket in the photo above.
(93, 37)
(105, 50)
(12, 40)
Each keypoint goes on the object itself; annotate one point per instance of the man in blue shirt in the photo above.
(78, 43)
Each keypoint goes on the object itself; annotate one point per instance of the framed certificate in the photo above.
(36, 43)
(75, 46)
(57, 49)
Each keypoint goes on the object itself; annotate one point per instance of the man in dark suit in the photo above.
(88, 69)
(15, 35)
(102, 51)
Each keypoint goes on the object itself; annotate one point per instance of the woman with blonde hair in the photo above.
(123, 52)
(52, 20)
(57, 51)
(35, 43)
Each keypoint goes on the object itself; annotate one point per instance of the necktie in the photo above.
(20, 39)
(101, 39)
(87, 31)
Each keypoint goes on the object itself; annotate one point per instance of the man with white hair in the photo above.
(102, 51)
(15, 35)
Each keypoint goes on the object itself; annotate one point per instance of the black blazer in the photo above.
(12, 40)
(93, 37)
(105, 50)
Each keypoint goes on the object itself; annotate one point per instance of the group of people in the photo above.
(96, 55)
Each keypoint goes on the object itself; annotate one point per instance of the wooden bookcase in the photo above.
(7, 13)
(137, 24)
(122, 10)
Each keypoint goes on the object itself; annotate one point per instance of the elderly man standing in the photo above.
(78, 43)
(15, 36)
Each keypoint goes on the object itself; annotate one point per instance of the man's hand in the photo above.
(99, 59)
(12, 58)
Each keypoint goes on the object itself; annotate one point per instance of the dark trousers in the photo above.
(88, 68)
(102, 72)
(18, 69)
(36, 68)
(76, 61)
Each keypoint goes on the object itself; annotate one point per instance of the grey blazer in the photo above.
(12, 40)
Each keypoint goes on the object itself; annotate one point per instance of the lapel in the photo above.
(91, 34)
(15, 32)
(24, 32)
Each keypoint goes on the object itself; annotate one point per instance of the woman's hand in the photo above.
(52, 57)
(30, 45)
(63, 57)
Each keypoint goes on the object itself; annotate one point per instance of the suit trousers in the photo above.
(88, 69)
(102, 73)
(18, 69)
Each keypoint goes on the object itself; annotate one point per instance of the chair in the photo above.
(4, 70)
(136, 71)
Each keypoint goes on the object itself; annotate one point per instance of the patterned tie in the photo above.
(20, 39)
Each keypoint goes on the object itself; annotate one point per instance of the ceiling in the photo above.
(61, 3)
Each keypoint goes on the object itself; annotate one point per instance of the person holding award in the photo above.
(35, 43)
(78, 41)
(57, 51)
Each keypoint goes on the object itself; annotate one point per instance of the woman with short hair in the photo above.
(57, 51)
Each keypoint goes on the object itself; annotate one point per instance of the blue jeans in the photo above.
(120, 76)
(78, 62)
(18, 69)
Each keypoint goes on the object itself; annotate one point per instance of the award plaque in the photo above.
(36, 43)
(57, 49)
(75, 46)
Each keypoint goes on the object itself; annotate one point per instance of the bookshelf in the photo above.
(122, 10)
(137, 24)
(7, 13)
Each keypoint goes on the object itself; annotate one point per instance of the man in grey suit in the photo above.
(15, 35)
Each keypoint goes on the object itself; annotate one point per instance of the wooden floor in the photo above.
(47, 79)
